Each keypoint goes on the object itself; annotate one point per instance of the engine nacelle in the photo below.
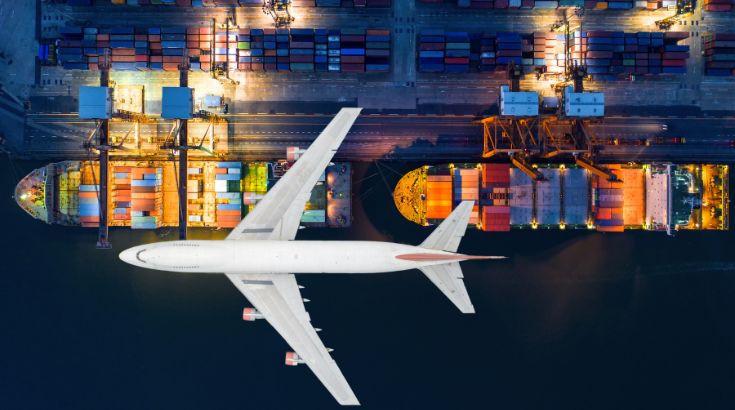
(292, 359)
(251, 314)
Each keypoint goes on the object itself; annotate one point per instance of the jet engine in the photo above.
(251, 314)
(292, 359)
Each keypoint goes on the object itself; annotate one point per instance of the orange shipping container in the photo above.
(235, 218)
(604, 213)
(438, 212)
(87, 194)
(439, 178)
(144, 195)
(229, 212)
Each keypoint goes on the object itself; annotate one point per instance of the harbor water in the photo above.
(572, 319)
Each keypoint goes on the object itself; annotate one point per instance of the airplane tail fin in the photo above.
(447, 235)
(448, 276)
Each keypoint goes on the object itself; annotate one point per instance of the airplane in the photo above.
(260, 257)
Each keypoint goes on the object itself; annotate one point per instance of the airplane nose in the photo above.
(128, 256)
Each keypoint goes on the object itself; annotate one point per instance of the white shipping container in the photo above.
(220, 185)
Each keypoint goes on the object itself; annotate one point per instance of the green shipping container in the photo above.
(233, 186)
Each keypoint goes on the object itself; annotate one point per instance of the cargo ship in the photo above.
(144, 194)
(656, 197)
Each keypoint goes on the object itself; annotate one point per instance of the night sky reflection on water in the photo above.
(573, 319)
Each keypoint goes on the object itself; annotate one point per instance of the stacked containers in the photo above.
(487, 53)
(674, 55)
(255, 183)
(146, 197)
(244, 52)
(438, 196)
(198, 48)
(608, 205)
(719, 52)
(718, 5)
(539, 48)
(333, 50)
(321, 57)
(142, 51)
(457, 52)
(256, 49)
(377, 53)
(121, 195)
(509, 49)
(90, 50)
(527, 50)
(609, 54)
(302, 49)
(352, 51)
(494, 198)
(70, 51)
(554, 53)
(225, 48)
(154, 44)
(431, 51)
(122, 48)
(269, 50)
(194, 185)
(467, 188)
(89, 205)
(227, 188)
(173, 46)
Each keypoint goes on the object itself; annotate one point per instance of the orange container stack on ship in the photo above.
(121, 193)
(146, 197)
(467, 188)
(608, 205)
(495, 193)
(438, 196)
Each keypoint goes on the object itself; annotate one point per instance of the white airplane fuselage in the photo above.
(285, 256)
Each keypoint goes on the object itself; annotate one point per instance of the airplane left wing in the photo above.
(278, 299)
(278, 214)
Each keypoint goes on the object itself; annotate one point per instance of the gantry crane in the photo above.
(684, 8)
(280, 11)
(99, 141)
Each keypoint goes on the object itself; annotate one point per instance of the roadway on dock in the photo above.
(392, 136)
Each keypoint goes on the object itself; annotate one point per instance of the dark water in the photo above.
(571, 320)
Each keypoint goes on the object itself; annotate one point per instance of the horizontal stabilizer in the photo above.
(448, 278)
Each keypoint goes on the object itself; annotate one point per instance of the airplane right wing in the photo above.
(278, 299)
(278, 215)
